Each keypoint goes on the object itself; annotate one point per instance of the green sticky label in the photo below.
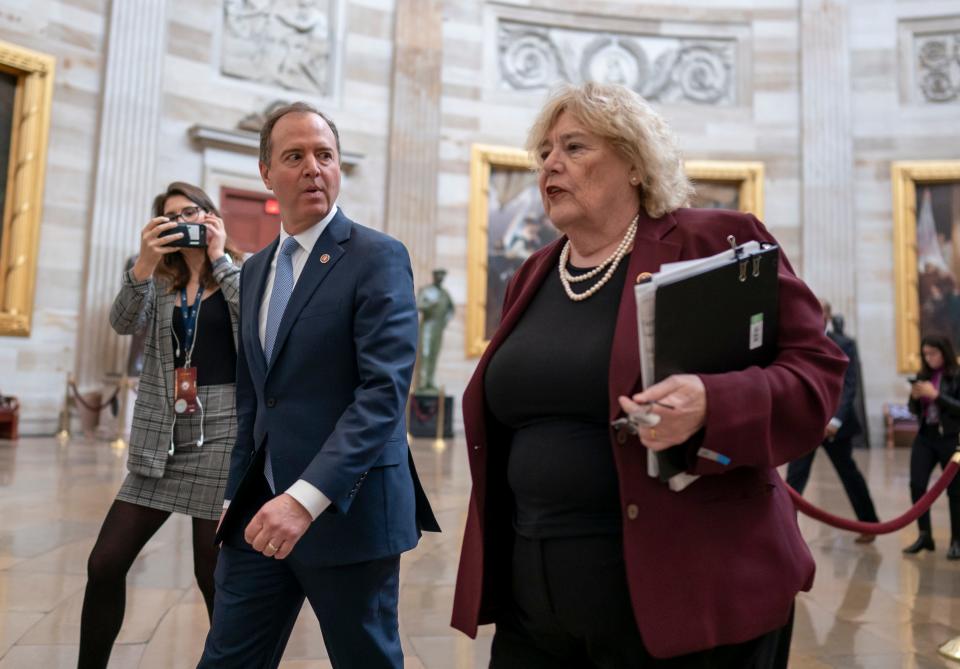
(756, 331)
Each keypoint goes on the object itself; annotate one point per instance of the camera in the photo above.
(194, 235)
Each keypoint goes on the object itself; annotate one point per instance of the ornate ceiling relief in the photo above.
(281, 42)
(661, 68)
(937, 64)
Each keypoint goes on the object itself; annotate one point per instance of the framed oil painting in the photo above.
(26, 95)
(926, 254)
(507, 222)
(722, 184)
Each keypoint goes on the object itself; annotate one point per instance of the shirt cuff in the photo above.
(835, 423)
(314, 501)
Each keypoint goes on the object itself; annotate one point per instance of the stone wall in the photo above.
(83, 247)
(892, 120)
(34, 368)
(795, 84)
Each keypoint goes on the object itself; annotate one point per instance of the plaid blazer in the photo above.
(145, 305)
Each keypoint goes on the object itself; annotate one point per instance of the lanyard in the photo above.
(189, 321)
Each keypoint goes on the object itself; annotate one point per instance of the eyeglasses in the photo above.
(187, 215)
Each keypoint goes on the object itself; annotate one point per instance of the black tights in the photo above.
(126, 529)
(928, 449)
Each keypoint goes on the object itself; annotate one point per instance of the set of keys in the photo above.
(637, 420)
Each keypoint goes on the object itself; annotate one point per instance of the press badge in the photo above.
(185, 391)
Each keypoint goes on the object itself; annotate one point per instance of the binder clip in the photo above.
(738, 255)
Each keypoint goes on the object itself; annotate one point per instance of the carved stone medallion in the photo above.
(280, 42)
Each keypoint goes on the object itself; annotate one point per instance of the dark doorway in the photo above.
(252, 218)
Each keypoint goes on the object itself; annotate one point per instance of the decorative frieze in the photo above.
(938, 66)
(288, 43)
(662, 68)
(930, 61)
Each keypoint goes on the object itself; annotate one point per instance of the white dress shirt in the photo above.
(314, 501)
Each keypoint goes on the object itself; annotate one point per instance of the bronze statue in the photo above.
(436, 307)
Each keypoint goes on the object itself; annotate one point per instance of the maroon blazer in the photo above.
(722, 561)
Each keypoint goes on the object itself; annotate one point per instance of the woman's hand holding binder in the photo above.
(681, 403)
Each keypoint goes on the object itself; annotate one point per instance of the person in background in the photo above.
(838, 437)
(186, 302)
(935, 400)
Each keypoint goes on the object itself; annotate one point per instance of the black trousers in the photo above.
(841, 455)
(571, 610)
(930, 448)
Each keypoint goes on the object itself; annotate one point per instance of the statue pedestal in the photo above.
(423, 416)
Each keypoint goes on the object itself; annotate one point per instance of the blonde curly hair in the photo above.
(637, 132)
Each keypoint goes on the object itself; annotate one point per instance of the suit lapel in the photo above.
(165, 304)
(259, 268)
(325, 254)
(651, 249)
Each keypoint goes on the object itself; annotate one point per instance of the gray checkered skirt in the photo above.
(195, 477)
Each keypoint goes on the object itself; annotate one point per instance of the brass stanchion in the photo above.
(123, 389)
(439, 444)
(63, 422)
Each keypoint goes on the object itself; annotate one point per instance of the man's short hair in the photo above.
(266, 141)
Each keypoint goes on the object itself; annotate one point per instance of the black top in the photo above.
(214, 353)
(548, 382)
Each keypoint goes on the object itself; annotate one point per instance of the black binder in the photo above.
(721, 320)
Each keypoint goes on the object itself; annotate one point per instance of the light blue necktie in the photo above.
(279, 296)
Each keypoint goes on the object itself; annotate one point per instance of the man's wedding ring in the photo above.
(653, 433)
(272, 547)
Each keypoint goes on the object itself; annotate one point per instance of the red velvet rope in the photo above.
(89, 407)
(923, 504)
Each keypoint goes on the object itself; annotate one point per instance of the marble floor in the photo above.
(869, 608)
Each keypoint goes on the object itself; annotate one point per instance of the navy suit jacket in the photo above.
(850, 424)
(331, 401)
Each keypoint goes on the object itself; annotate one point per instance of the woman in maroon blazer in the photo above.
(579, 557)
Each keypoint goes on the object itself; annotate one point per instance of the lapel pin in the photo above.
(325, 258)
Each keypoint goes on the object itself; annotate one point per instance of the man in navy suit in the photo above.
(838, 438)
(322, 495)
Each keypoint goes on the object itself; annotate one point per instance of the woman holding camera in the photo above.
(935, 400)
(186, 297)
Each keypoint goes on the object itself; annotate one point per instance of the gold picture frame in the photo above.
(489, 266)
(745, 176)
(26, 169)
(911, 317)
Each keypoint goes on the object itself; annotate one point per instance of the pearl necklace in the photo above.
(613, 261)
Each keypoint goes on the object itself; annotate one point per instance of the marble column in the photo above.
(829, 226)
(411, 214)
(124, 185)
